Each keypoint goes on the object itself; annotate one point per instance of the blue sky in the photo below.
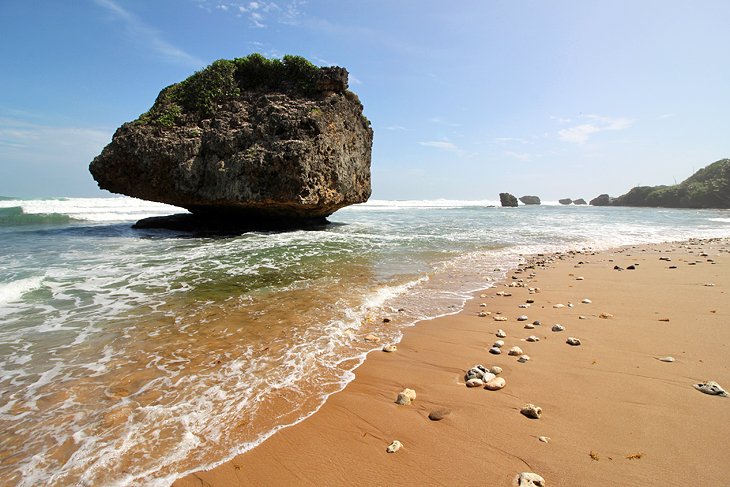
(467, 99)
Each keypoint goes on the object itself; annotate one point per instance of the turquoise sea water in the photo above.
(134, 356)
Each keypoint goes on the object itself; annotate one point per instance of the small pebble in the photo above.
(570, 305)
(406, 396)
(474, 383)
(483, 305)
(495, 384)
(558, 327)
(581, 317)
(605, 316)
(709, 284)
(537, 323)
(573, 341)
(496, 370)
(438, 414)
(579, 278)
(499, 344)
(666, 359)
(495, 351)
(500, 318)
(559, 305)
(529, 479)
(711, 387)
(522, 318)
(372, 338)
(530, 301)
(529, 326)
(586, 301)
(390, 348)
(515, 351)
(524, 306)
(532, 338)
(531, 411)
(501, 333)
(482, 314)
(523, 359)
(394, 447)
(544, 439)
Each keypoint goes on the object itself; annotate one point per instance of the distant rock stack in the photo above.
(565, 201)
(530, 200)
(507, 199)
(249, 142)
(601, 200)
(579, 201)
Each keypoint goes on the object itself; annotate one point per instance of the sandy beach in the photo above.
(612, 412)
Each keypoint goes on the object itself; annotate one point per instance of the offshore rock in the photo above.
(565, 201)
(530, 200)
(248, 142)
(507, 199)
(601, 200)
(579, 201)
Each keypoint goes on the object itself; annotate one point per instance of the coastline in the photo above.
(615, 414)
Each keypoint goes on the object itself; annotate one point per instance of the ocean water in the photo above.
(130, 357)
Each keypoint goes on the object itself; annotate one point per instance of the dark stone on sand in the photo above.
(438, 414)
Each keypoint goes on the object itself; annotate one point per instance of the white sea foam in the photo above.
(14, 290)
(95, 209)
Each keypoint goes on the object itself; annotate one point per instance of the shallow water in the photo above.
(133, 356)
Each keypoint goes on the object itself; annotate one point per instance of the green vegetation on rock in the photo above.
(202, 93)
(707, 188)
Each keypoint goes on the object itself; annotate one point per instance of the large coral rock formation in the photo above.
(248, 141)
(507, 199)
(530, 200)
(601, 200)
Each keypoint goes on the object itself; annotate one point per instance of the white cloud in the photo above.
(395, 127)
(441, 121)
(666, 115)
(579, 134)
(147, 37)
(259, 13)
(440, 144)
(560, 119)
(522, 156)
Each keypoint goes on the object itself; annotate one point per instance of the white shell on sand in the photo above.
(529, 326)
(586, 301)
(515, 351)
(529, 479)
(523, 359)
(570, 305)
(482, 305)
(522, 318)
(406, 396)
(531, 411)
(499, 344)
(709, 284)
(579, 278)
(495, 350)
(524, 306)
(496, 370)
(558, 327)
(394, 447)
(544, 439)
(559, 305)
(532, 338)
(495, 384)
(474, 383)
(711, 387)
(501, 333)
(581, 317)
(482, 296)
(500, 318)
(573, 341)
(666, 359)
(390, 348)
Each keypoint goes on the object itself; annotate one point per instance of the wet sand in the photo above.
(614, 413)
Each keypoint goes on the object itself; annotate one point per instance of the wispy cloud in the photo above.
(442, 121)
(259, 13)
(666, 115)
(510, 140)
(441, 144)
(522, 156)
(579, 134)
(148, 37)
(395, 127)
(560, 119)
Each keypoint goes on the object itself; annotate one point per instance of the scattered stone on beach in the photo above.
(394, 447)
(522, 318)
(672, 266)
(500, 318)
(709, 284)
(573, 341)
(496, 369)
(531, 411)
(498, 344)
(482, 305)
(482, 314)
(495, 384)
(390, 348)
(386, 320)
(529, 301)
(579, 278)
(663, 319)
(523, 358)
(581, 317)
(523, 306)
(406, 396)
(668, 259)
(586, 301)
(477, 372)
(483, 296)
(711, 387)
(558, 327)
(532, 338)
(666, 359)
(544, 439)
(474, 382)
(570, 305)
(438, 414)
(537, 322)
(529, 326)
(372, 338)
(605, 316)
(501, 333)
(559, 305)
(515, 351)
(631, 267)
(495, 350)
